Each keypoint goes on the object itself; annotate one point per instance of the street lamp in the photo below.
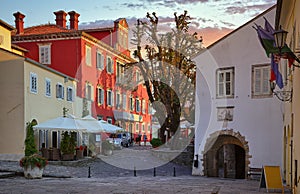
(280, 38)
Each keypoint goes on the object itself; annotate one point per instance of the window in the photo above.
(45, 54)
(48, 87)
(119, 72)
(110, 98)
(143, 128)
(260, 80)
(99, 60)
(225, 82)
(99, 117)
(109, 120)
(88, 91)
(118, 100)
(124, 101)
(88, 55)
(59, 91)
(137, 105)
(109, 65)
(33, 83)
(144, 106)
(70, 94)
(131, 103)
(100, 95)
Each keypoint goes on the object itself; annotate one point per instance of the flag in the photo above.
(267, 41)
(275, 69)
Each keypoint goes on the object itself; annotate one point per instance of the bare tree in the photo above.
(165, 62)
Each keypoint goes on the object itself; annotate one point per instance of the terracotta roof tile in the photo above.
(43, 29)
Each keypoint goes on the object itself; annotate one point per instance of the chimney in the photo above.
(19, 22)
(61, 18)
(73, 20)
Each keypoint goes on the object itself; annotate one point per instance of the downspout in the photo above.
(291, 174)
(278, 14)
(111, 41)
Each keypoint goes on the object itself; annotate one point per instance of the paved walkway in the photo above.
(117, 185)
(107, 178)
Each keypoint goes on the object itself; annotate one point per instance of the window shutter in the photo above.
(102, 96)
(57, 90)
(107, 98)
(46, 55)
(112, 98)
(62, 92)
(102, 61)
(257, 77)
(265, 78)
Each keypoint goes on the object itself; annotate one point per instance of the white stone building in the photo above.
(238, 122)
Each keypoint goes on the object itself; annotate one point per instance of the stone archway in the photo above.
(226, 154)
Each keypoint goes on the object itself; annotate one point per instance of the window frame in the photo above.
(110, 98)
(88, 55)
(99, 62)
(43, 50)
(60, 94)
(48, 91)
(109, 120)
(70, 98)
(137, 105)
(33, 83)
(124, 101)
(100, 95)
(224, 82)
(89, 96)
(111, 69)
(261, 93)
(144, 106)
(118, 100)
(131, 103)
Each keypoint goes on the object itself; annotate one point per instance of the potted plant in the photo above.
(107, 147)
(156, 142)
(79, 152)
(67, 146)
(32, 163)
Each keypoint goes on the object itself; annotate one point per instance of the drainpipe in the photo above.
(291, 163)
(111, 44)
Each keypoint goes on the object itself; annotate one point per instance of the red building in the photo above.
(95, 57)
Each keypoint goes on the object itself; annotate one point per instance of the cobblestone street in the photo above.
(72, 177)
(139, 184)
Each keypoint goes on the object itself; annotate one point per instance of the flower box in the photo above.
(33, 172)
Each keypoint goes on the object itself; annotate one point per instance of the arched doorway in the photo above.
(226, 155)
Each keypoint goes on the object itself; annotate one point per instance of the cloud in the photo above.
(209, 34)
(133, 5)
(239, 8)
(227, 24)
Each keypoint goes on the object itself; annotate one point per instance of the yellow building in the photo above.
(29, 90)
(288, 17)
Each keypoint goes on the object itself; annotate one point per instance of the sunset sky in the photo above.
(212, 19)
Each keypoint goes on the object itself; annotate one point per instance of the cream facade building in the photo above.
(288, 17)
(29, 90)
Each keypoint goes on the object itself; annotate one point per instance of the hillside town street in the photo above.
(72, 177)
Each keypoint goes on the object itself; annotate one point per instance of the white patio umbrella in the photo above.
(67, 123)
(90, 124)
(109, 128)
